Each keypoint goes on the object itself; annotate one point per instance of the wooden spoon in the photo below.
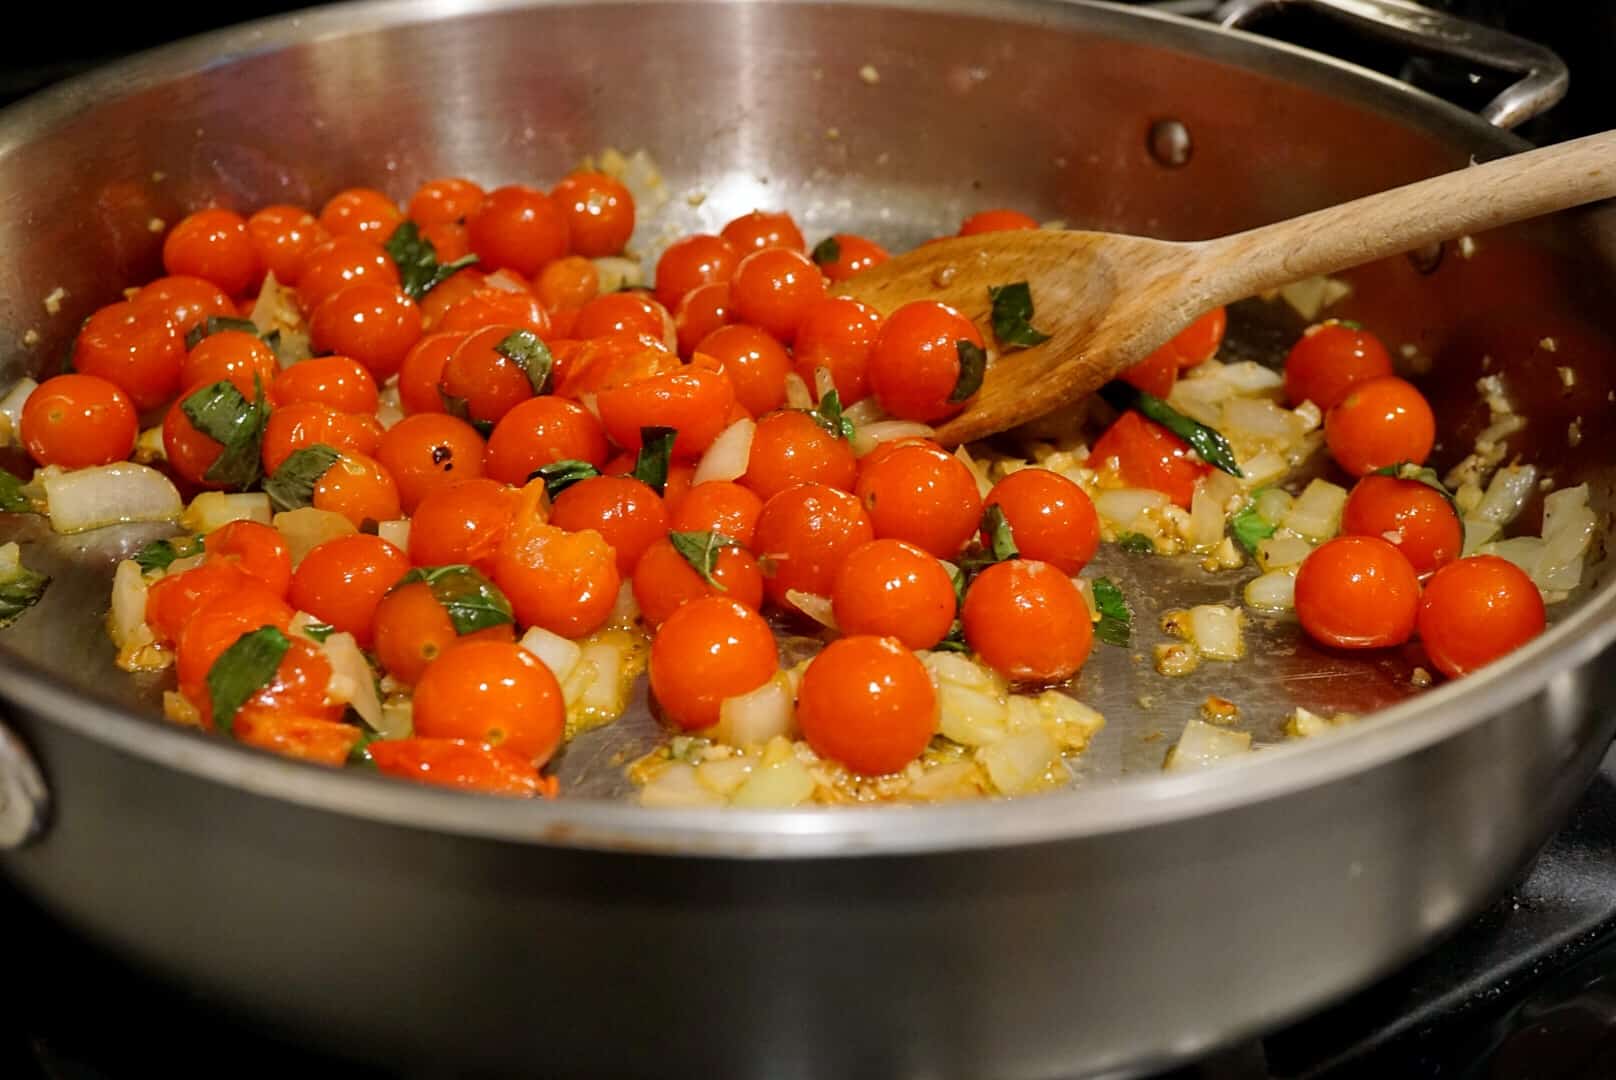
(1108, 301)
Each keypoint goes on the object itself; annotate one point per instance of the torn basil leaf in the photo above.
(1251, 528)
(524, 349)
(471, 601)
(558, 476)
(954, 640)
(12, 499)
(957, 576)
(700, 550)
(1012, 315)
(1001, 541)
(830, 417)
(221, 413)
(1116, 621)
(292, 485)
(458, 408)
(656, 451)
(319, 631)
(1207, 442)
(419, 271)
(973, 364)
(1136, 544)
(242, 670)
(160, 554)
(214, 324)
(19, 592)
(826, 251)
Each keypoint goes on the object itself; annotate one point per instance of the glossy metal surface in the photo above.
(24, 800)
(1129, 921)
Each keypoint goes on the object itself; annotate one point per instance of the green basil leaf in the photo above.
(19, 592)
(319, 631)
(973, 364)
(160, 554)
(954, 641)
(1116, 621)
(419, 271)
(472, 601)
(12, 499)
(223, 415)
(1001, 541)
(656, 451)
(700, 550)
(1251, 528)
(1012, 315)
(523, 348)
(558, 476)
(213, 324)
(460, 410)
(829, 416)
(292, 485)
(826, 251)
(1407, 470)
(1136, 544)
(957, 576)
(359, 757)
(242, 670)
(1207, 442)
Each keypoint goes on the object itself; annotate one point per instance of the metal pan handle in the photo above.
(24, 799)
(1543, 76)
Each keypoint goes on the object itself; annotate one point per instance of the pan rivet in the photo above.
(1426, 259)
(23, 798)
(1169, 143)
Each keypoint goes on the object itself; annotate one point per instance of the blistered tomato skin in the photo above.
(1357, 592)
(692, 262)
(464, 522)
(756, 363)
(710, 649)
(664, 580)
(519, 228)
(774, 288)
(135, 346)
(541, 431)
(429, 451)
(1478, 610)
(214, 245)
(1144, 454)
(626, 512)
(341, 581)
(238, 356)
(565, 582)
(599, 210)
(1027, 621)
(790, 447)
(915, 365)
(837, 334)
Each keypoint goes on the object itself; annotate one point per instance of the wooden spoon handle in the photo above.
(1457, 203)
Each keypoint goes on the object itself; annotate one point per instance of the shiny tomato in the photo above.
(1477, 610)
(422, 371)
(1028, 622)
(173, 600)
(568, 283)
(372, 322)
(459, 285)
(456, 763)
(790, 447)
(1357, 592)
(412, 629)
(915, 365)
(520, 228)
(494, 693)
(541, 431)
(665, 580)
(484, 373)
(710, 649)
(340, 262)
(599, 210)
(188, 451)
(696, 260)
(702, 312)
(256, 549)
(844, 255)
(187, 301)
(693, 400)
(1330, 359)
(803, 535)
(588, 367)
(284, 236)
(892, 589)
(1155, 374)
(565, 582)
(1050, 518)
(718, 506)
(341, 581)
(1380, 422)
(631, 312)
(78, 420)
(837, 334)
(338, 381)
(136, 347)
(294, 427)
(289, 733)
(427, 452)
(492, 305)
(868, 703)
(445, 201)
(462, 523)
(987, 221)
(358, 487)
(216, 625)
(919, 493)
(450, 242)
(362, 212)
(1142, 453)
(214, 245)
(627, 513)
(1198, 342)
(763, 229)
(774, 288)
(1415, 517)
(228, 354)
(755, 362)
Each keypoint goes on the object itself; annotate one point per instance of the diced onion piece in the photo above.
(1206, 518)
(816, 607)
(1265, 468)
(797, 393)
(128, 600)
(677, 785)
(728, 456)
(616, 272)
(870, 436)
(1203, 744)
(109, 495)
(389, 409)
(1317, 511)
(983, 483)
(1024, 762)
(865, 411)
(752, 719)
(1273, 504)
(1477, 534)
(626, 612)
(398, 715)
(603, 693)
(11, 408)
(824, 382)
(1216, 631)
(1282, 550)
(1557, 504)
(953, 780)
(1260, 419)
(306, 528)
(353, 683)
(778, 785)
(396, 533)
(149, 446)
(211, 509)
(1507, 495)
(724, 775)
(1123, 506)
(1273, 591)
(559, 654)
(1525, 552)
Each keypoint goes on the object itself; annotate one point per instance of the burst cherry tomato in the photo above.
(851, 254)
(455, 763)
(893, 589)
(568, 283)
(539, 432)
(363, 212)
(789, 447)
(213, 245)
(1380, 422)
(484, 373)
(625, 313)
(1144, 454)
(868, 703)
(1198, 342)
(173, 600)
(702, 312)
(628, 514)
(78, 420)
(1477, 610)
(664, 580)
(1027, 621)
(187, 301)
(599, 210)
(565, 582)
(520, 228)
(374, 323)
(494, 693)
(803, 535)
(228, 354)
(216, 624)
(450, 242)
(1357, 592)
(588, 367)
(718, 506)
(445, 202)
(754, 361)
(837, 334)
(294, 427)
(429, 451)
(763, 229)
(413, 629)
(710, 649)
(696, 260)
(694, 400)
(919, 493)
(256, 549)
(359, 488)
(774, 288)
(1330, 359)
(492, 305)
(1415, 517)
(341, 581)
(915, 364)
(462, 523)
(1050, 518)
(136, 347)
(987, 221)
(340, 262)
(422, 371)
(291, 733)
(284, 236)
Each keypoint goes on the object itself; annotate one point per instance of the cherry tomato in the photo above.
(429, 451)
(868, 703)
(187, 301)
(362, 212)
(1198, 342)
(455, 763)
(462, 523)
(893, 589)
(625, 312)
(1476, 610)
(1155, 374)
(803, 535)
(78, 420)
(188, 451)
(494, 693)
(374, 323)
(710, 649)
(492, 305)
(568, 283)
(1142, 453)
(284, 236)
(718, 506)
(213, 245)
(680, 476)
(696, 260)
(359, 488)
(914, 366)
(445, 202)
(338, 381)
(541, 431)
(693, 400)
(1414, 517)
(520, 228)
(422, 371)
(627, 513)
(702, 312)
(256, 549)
(450, 242)
(664, 580)
(988, 221)
(774, 288)
(459, 285)
(413, 629)
(227, 354)
(762, 229)
(919, 493)
(292, 734)
(1050, 517)
(1028, 622)
(482, 373)
(563, 581)
(173, 600)
(754, 361)
(216, 624)
(588, 367)
(341, 581)
(293, 427)
(853, 253)
(789, 447)
(599, 210)
(134, 346)
(1380, 422)
(1357, 592)
(1330, 359)
(837, 334)
(340, 262)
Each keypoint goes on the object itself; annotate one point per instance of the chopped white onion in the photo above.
(352, 681)
(797, 393)
(11, 408)
(559, 654)
(1273, 504)
(1123, 506)
(816, 607)
(1317, 511)
(1216, 631)
(729, 455)
(1507, 495)
(752, 719)
(396, 533)
(1204, 744)
(864, 411)
(1263, 469)
(603, 693)
(212, 509)
(128, 601)
(1273, 591)
(1259, 418)
(779, 785)
(109, 495)
(1282, 550)
(724, 775)
(306, 528)
(1525, 552)
(870, 436)
(677, 785)
(1024, 762)
(626, 611)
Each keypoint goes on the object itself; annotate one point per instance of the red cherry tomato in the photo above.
(1357, 592)
(694, 400)
(837, 333)
(1027, 621)
(1477, 610)
(520, 228)
(421, 372)
(483, 372)
(755, 362)
(187, 301)
(717, 506)
(1050, 518)
(214, 245)
(1380, 422)
(844, 255)
(293, 427)
(78, 420)
(363, 212)
(230, 354)
(445, 202)
(626, 512)
(790, 447)
(774, 288)
(338, 381)
(987, 221)
(1414, 517)
(625, 313)
(456, 763)
(340, 262)
(917, 492)
(341, 581)
(462, 523)
(429, 451)
(565, 582)
(664, 580)
(374, 323)
(1330, 359)
(694, 261)
(136, 347)
(600, 212)
(763, 229)
(709, 649)
(868, 703)
(893, 589)
(1144, 454)
(803, 535)
(494, 693)
(701, 313)
(915, 365)
(413, 629)
(256, 550)
(541, 431)
(284, 236)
